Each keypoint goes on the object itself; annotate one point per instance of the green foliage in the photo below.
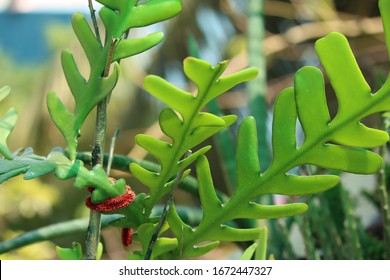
(261, 250)
(97, 178)
(34, 166)
(249, 252)
(86, 93)
(257, 250)
(184, 123)
(7, 123)
(216, 214)
(332, 231)
(76, 252)
(28, 163)
(342, 143)
(118, 17)
(163, 245)
(344, 74)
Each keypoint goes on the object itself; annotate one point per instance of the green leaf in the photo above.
(98, 179)
(212, 226)
(353, 108)
(84, 178)
(64, 120)
(258, 249)
(133, 210)
(249, 252)
(87, 95)
(326, 144)
(29, 164)
(316, 129)
(131, 47)
(99, 252)
(4, 92)
(87, 39)
(184, 233)
(119, 16)
(384, 7)
(261, 251)
(162, 246)
(33, 166)
(76, 82)
(185, 124)
(74, 253)
(340, 143)
(7, 123)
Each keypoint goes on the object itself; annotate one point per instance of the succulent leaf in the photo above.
(341, 143)
(119, 16)
(33, 166)
(74, 253)
(131, 47)
(184, 122)
(7, 123)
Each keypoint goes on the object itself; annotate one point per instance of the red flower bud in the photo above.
(127, 236)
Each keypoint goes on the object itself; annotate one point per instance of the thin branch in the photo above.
(94, 227)
(52, 231)
(164, 214)
(383, 194)
(94, 21)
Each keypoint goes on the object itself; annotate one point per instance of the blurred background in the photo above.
(279, 39)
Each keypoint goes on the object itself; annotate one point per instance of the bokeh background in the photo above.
(32, 35)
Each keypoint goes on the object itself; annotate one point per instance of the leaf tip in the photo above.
(248, 122)
(253, 72)
(4, 92)
(333, 37)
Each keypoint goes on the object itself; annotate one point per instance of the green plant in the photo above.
(342, 143)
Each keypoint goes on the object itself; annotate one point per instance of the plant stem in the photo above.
(351, 228)
(94, 21)
(164, 214)
(307, 234)
(52, 231)
(189, 214)
(383, 196)
(94, 226)
(261, 251)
